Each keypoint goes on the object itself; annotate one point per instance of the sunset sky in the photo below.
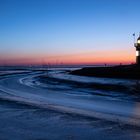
(68, 31)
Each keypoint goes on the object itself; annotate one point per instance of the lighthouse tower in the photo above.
(137, 45)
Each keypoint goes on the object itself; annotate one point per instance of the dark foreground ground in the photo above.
(23, 122)
(125, 71)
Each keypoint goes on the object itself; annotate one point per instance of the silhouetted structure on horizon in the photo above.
(137, 45)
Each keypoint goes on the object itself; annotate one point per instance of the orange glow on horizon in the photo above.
(98, 57)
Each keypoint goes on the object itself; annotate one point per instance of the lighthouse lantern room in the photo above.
(137, 45)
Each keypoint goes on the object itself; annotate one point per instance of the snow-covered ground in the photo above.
(56, 105)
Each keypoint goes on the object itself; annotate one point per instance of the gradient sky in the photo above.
(68, 31)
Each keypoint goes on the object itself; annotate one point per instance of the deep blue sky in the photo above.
(54, 30)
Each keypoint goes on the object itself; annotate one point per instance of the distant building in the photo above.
(137, 45)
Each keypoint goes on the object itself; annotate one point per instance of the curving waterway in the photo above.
(56, 105)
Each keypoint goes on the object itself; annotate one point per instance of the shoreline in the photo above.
(121, 72)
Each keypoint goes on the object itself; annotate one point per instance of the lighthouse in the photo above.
(137, 45)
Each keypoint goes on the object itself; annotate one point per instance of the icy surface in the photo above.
(41, 101)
